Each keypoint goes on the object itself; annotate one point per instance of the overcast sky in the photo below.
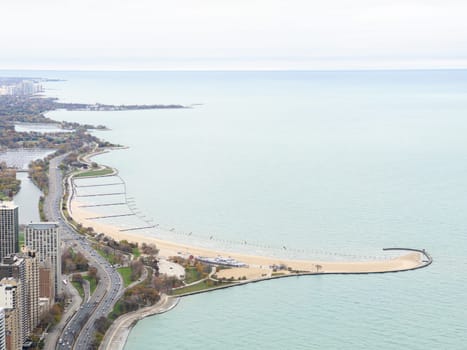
(235, 34)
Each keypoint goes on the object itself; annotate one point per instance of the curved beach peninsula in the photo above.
(258, 266)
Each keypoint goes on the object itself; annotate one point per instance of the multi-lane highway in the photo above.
(78, 334)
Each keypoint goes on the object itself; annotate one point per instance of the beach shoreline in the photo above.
(167, 248)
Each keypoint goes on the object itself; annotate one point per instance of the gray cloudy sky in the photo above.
(236, 34)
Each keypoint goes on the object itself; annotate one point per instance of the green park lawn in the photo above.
(125, 272)
(99, 172)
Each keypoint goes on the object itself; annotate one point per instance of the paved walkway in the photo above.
(212, 273)
(116, 336)
(144, 275)
(87, 290)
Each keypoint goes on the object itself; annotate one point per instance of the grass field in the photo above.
(192, 275)
(79, 288)
(136, 252)
(92, 283)
(197, 287)
(109, 257)
(100, 172)
(125, 272)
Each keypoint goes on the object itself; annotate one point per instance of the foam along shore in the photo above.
(260, 264)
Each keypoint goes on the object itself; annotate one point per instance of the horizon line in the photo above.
(368, 69)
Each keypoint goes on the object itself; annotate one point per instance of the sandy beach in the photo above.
(260, 264)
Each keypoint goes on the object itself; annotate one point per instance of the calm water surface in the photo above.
(338, 161)
(27, 199)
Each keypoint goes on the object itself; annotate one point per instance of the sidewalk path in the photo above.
(143, 277)
(87, 290)
(116, 336)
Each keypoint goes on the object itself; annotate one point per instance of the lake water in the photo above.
(316, 161)
(28, 197)
(21, 157)
(28, 200)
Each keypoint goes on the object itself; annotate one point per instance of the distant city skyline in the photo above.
(242, 35)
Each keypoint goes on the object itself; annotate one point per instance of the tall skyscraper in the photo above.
(24, 268)
(11, 301)
(2, 329)
(9, 241)
(44, 239)
(32, 288)
(14, 267)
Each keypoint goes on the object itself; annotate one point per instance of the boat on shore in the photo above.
(221, 261)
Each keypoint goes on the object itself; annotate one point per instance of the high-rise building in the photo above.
(14, 267)
(44, 239)
(46, 281)
(11, 301)
(32, 288)
(24, 268)
(2, 329)
(9, 241)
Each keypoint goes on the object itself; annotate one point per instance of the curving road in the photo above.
(78, 333)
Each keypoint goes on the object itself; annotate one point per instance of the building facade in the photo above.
(46, 281)
(11, 302)
(9, 229)
(44, 239)
(32, 288)
(2, 329)
(13, 268)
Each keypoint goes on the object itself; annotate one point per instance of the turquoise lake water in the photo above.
(337, 162)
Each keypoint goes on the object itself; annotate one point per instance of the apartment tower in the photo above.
(32, 288)
(44, 239)
(12, 268)
(9, 242)
(2, 329)
(11, 302)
